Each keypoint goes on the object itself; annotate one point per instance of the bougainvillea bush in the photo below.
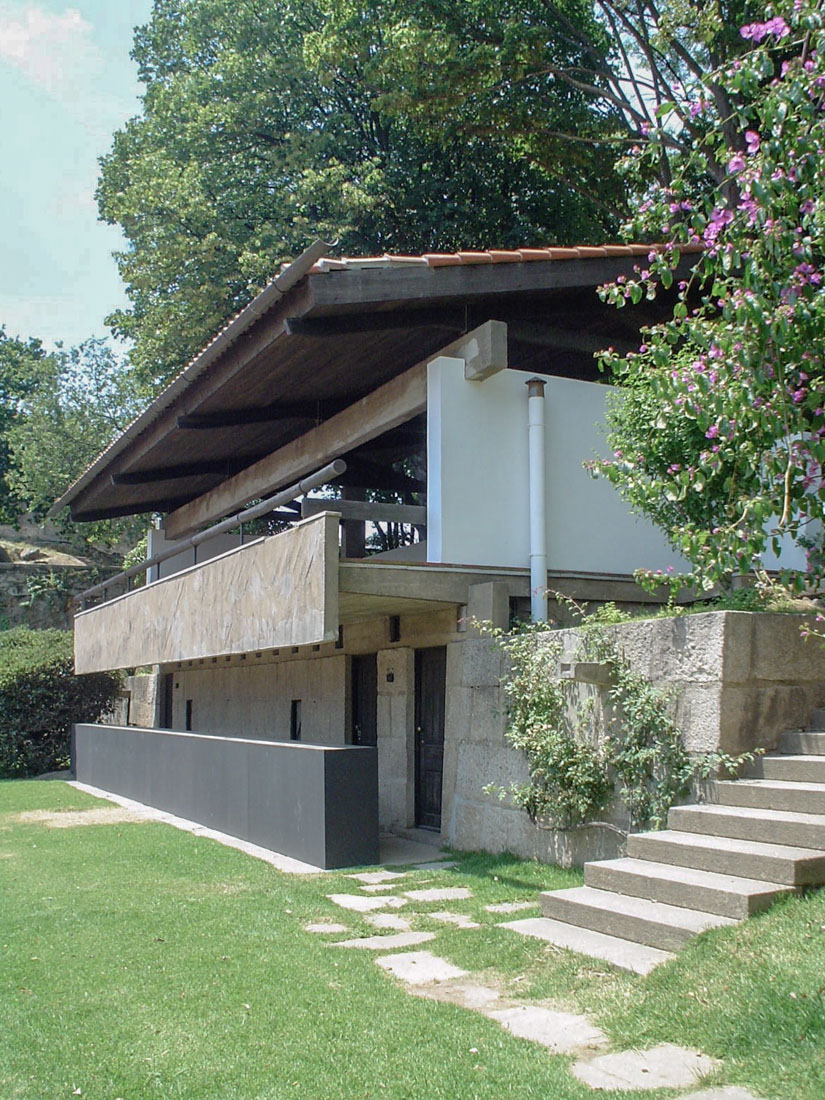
(41, 698)
(719, 435)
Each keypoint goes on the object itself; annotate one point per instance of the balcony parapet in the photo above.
(276, 591)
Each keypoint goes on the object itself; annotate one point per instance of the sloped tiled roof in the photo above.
(490, 256)
(313, 262)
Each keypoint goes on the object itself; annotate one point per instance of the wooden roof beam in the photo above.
(170, 473)
(394, 403)
(266, 414)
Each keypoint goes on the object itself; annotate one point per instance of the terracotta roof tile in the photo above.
(494, 256)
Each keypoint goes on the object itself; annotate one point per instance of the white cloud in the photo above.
(55, 51)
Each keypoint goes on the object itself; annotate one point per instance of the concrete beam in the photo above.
(484, 350)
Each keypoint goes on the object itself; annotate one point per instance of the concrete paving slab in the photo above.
(378, 888)
(321, 928)
(561, 1032)
(373, 877)
(420, 967)
(442, 893)
(460, 920)
(663, 1067)
(388, 921)
(511, 906)
(625, 954)
(386, 943)
(399, 851)
(731, 1092)
(443, 865)
(465, 994)
(361, 904)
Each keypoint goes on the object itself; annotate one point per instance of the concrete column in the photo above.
(396, 745)
(488, 603)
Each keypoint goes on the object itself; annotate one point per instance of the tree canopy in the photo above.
(25, 367)
(269, 123)
(57, 412)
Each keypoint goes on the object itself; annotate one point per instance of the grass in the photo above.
(142, 962)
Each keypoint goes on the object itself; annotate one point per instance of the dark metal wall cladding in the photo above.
(313, 803)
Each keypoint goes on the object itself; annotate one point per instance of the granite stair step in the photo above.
(779, 864)
(666, 927)
(626, 955)
(687, 887)
(795, 768)
(750, 823)
(803, 741)
(769, 794)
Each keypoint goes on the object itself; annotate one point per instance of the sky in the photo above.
(66, 84)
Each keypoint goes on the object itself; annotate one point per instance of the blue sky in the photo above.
(66, 84)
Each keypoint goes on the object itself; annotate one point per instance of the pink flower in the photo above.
(736, 163)
(752, 140)
(757, 32)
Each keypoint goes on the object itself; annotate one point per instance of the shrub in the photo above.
(40, 699)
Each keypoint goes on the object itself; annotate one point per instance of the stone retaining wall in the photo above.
(738, 679)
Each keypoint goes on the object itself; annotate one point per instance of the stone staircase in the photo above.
(756, 839)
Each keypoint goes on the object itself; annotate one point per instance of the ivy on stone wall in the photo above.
(582, 757)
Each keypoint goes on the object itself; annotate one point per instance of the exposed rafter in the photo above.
(350, 324)
(265, 414)
(171, 473)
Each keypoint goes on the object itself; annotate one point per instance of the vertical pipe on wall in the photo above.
(538, 521)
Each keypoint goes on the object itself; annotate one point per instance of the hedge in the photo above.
(41, 698)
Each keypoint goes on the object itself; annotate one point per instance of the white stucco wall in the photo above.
(477, 490)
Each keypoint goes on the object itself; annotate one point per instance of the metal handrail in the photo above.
(329, 472)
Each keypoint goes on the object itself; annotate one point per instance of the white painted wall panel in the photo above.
(477, 478)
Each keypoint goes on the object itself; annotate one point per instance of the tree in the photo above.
(25, 366)
(76, 402)
(572, 88)
(722, 439)
(263, 128)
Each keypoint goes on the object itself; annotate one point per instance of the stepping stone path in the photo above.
(372, 878)
(382, 943)
(465, 994)
(434, 978)
(510, 906)
(443, 893)
(560, 1032)
(360, 904)
(662, 1067)
(460, 920)
(420, 968)
(387, 920)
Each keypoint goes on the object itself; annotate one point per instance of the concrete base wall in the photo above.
(254, 700)
(313, 803)
(737, 680)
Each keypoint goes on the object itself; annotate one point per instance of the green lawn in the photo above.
(139, 961)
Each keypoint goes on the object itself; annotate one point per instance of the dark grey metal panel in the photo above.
(352, 777)
(318, 804)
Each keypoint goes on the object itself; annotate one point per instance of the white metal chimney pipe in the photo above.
(538, 501)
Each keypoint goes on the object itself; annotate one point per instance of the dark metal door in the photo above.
(365, 700)
(430, 686)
